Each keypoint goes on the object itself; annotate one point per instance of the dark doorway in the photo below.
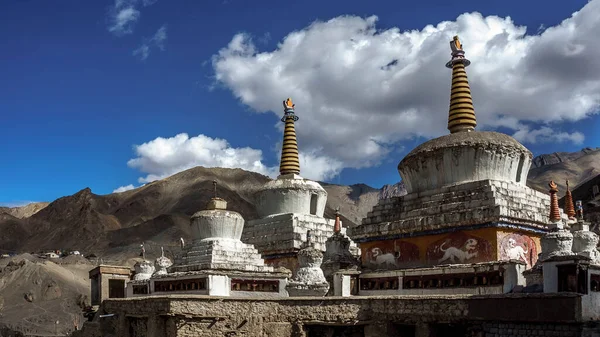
(116, 288)
(404, 330)
(313, 204)
(95, 291)
(572, 278)
(334, 331)
(447, 330)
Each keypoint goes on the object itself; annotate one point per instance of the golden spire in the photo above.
(569, 207)
(462, 113)
(554, 211)
(290, 161)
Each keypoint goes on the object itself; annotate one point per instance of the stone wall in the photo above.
(461, 205)
(526, 330)
(178, 316)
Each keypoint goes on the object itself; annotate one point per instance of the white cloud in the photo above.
(162, 157)
(157, 40)
(317, 167)
(360, 90)
(124, 14)
(547, 135)
(123, 19)
(124, 188)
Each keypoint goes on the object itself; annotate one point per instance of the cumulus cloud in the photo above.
(162, 157)
(124, 14)
(360, 90)
(124, 188)
(317, 167)
(546, 134)
(156, 41)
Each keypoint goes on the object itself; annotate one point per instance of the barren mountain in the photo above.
(354, 202)
(12, 233)
(24, 211)
(560, 157)
(395, 190)
(156, 212)
(577, 167)
(112, 226)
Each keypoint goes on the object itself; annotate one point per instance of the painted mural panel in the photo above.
(459, 247)
(390, 254)
(516, 246)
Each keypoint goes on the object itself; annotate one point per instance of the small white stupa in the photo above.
(162, 263)
(217, 262)
(143, 269)
(309, 279)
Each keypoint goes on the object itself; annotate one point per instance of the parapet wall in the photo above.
(176, 316)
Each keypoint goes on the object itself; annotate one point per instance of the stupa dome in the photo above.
(462, 157)
(217, 222)
(291, 194)
(143, 270)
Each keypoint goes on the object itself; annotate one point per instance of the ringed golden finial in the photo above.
(288, 104)
(553, 186)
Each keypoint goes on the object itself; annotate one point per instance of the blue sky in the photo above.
(78, 91)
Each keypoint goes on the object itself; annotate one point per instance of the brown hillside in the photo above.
(24, 211)
(581, 168)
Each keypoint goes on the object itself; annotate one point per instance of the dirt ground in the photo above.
(43, 297)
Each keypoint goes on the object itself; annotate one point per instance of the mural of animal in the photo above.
(381, 259)
(461, 254)
(516, 252)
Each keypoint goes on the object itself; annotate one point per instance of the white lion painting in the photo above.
(454, 254)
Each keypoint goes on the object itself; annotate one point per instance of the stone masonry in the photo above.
(286, 233)
(468, 204)
(186, 316)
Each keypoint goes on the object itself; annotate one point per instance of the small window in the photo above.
(595, 190)
(595, 282)
(572, 278)
(116, 288)
(313, 204)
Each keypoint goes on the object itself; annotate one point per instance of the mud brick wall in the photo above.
(528, 330)
(186, 316)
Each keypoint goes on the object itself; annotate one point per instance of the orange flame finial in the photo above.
(457, 42)
(289, 104)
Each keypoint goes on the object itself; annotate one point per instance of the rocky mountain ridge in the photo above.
(24, 211)
(560, 157)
